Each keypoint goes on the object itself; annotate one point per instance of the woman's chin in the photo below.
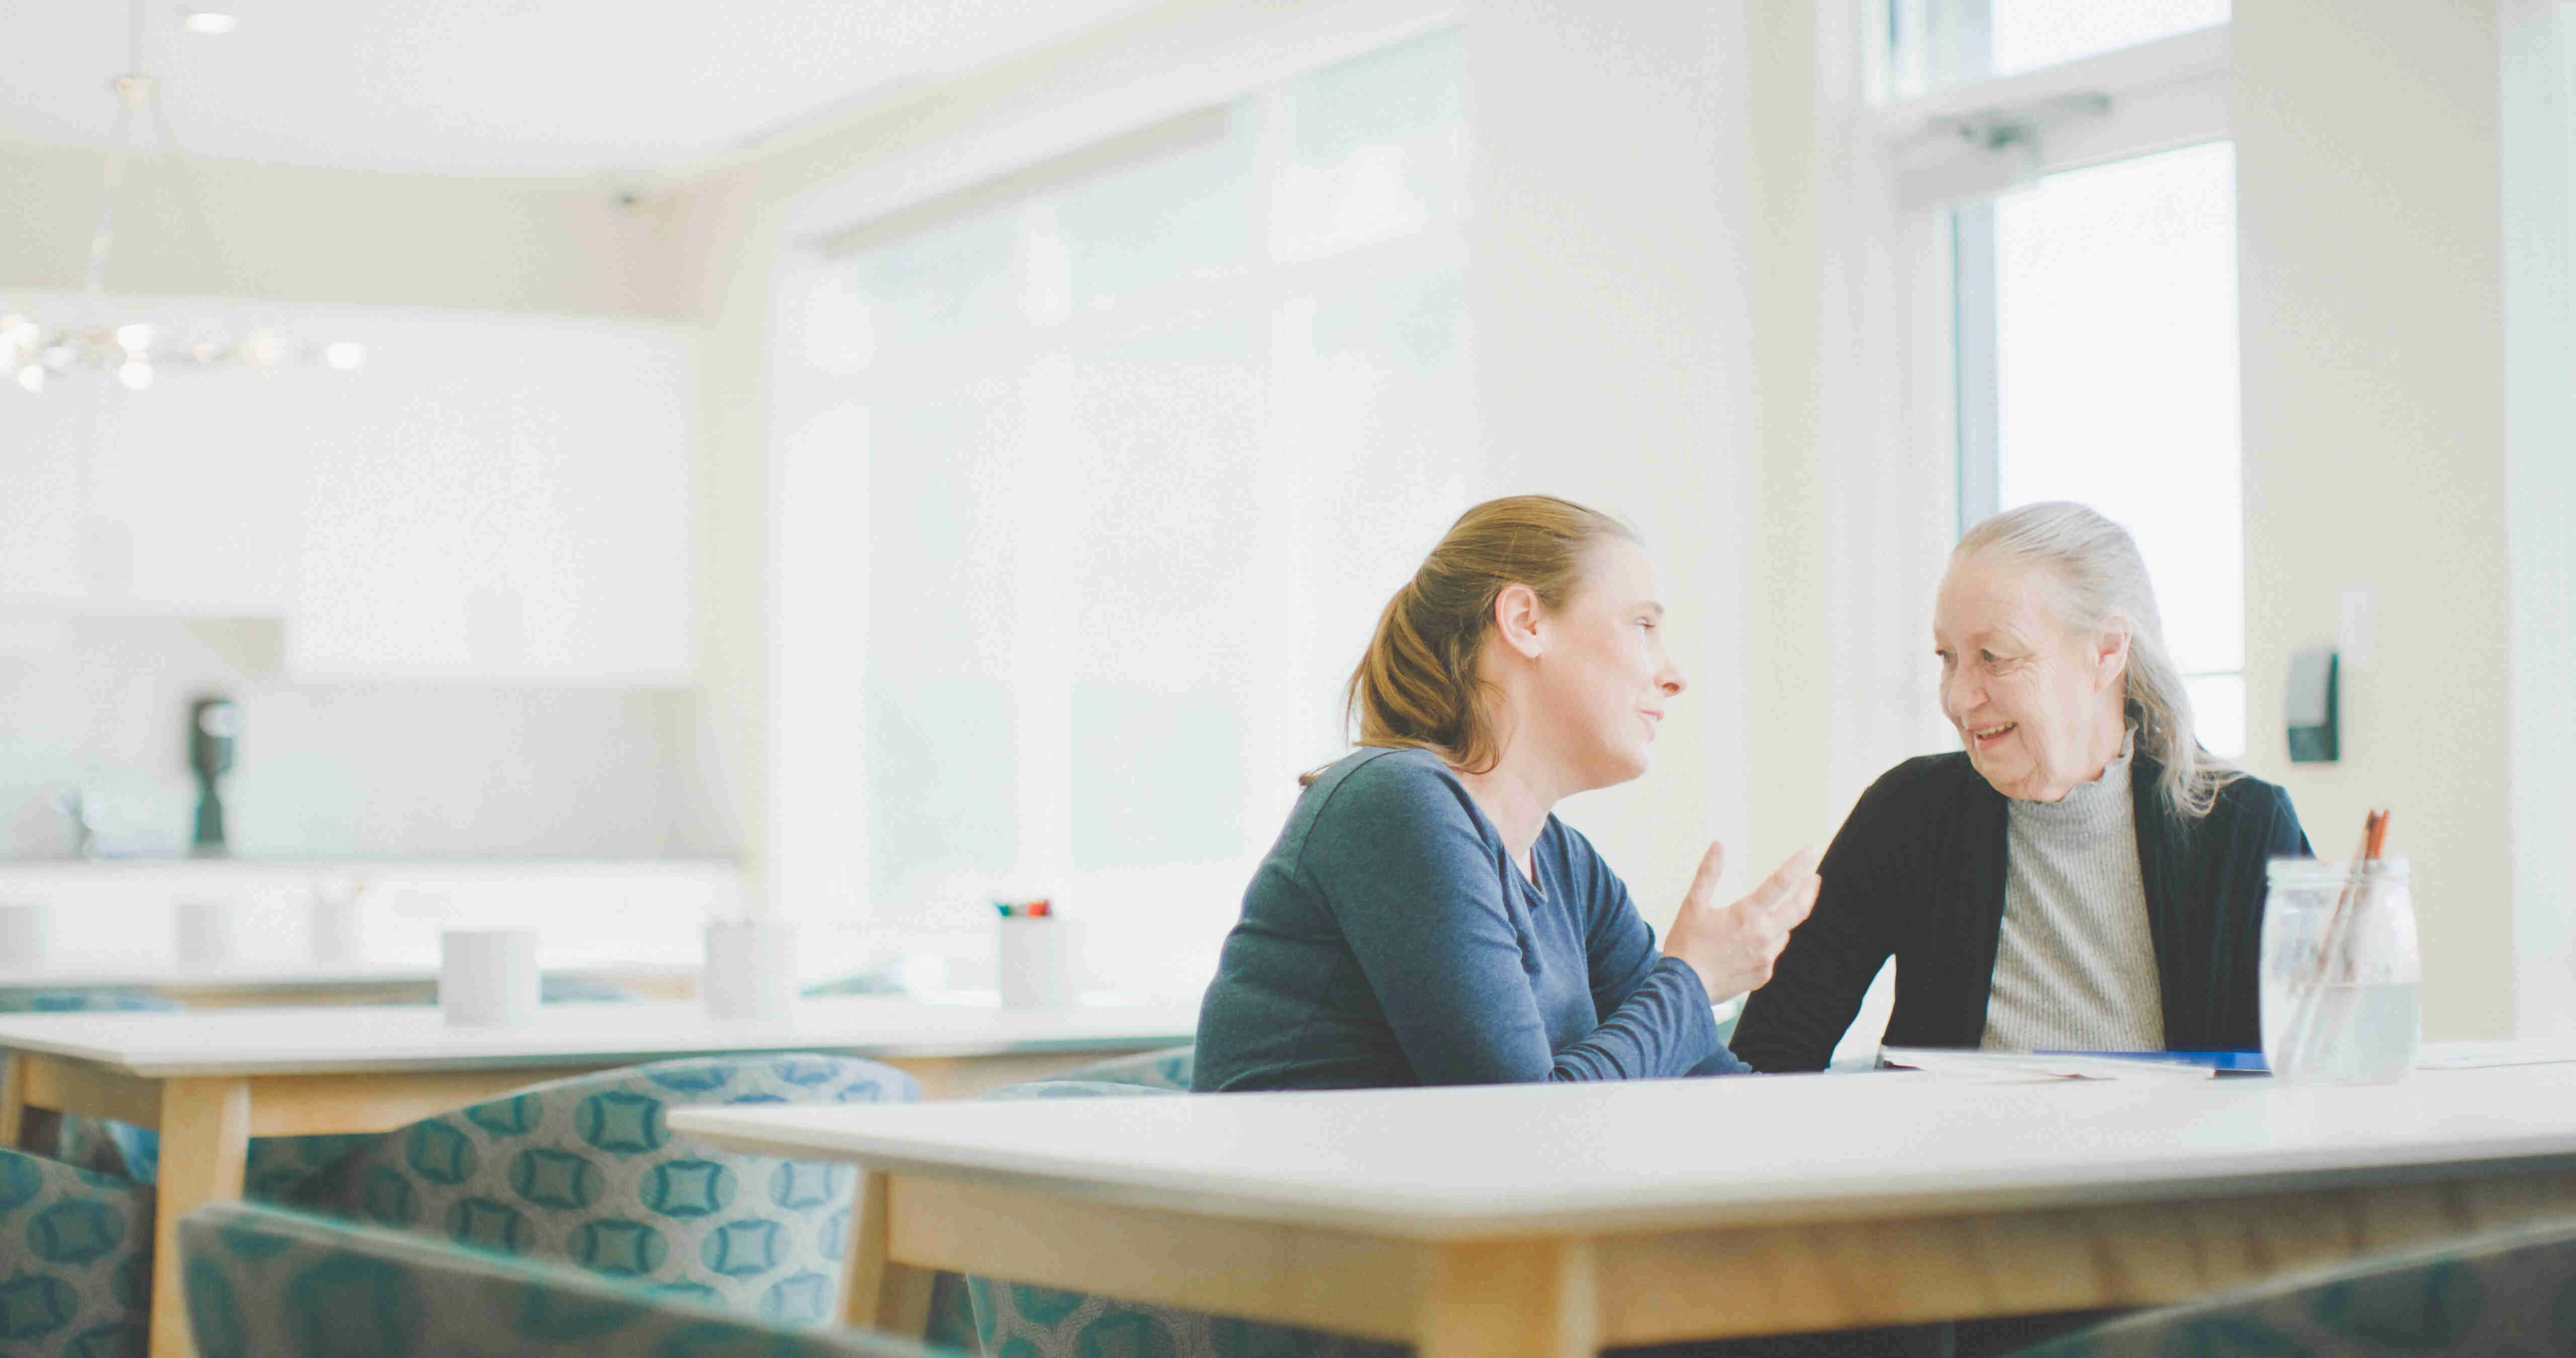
(1623, 766)
(2007, 777)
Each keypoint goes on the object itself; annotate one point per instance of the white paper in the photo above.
(1983, 1067)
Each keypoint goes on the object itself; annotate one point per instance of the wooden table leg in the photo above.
(23, 1125)
(1511, 1299)
(878, 1293)
(13, 1098)
(205, 1137)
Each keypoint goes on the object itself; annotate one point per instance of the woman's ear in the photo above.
(1517, 614)
(2111, 650)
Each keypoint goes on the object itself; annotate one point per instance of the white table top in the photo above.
(319, 1040)
(1532, 1159)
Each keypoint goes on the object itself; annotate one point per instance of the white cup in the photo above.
(208, 932)
(1037, 963)
(487, 978)
(750, 970)
(22, 935)
(336, 925)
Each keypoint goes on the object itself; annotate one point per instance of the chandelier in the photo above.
(35, 354)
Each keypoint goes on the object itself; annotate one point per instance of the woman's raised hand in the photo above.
(1733, 946)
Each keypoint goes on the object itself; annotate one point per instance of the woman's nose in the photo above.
(1671, 682)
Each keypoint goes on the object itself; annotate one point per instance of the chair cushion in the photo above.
(586, 1171)
(268, 1283)
(75, 1259)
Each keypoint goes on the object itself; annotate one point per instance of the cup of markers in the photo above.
(1037, 961)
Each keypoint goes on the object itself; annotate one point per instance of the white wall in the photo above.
(2373, 294)
(209, 228)
(1610, 242)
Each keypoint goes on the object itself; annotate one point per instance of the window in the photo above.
(2097, 363)
(1090, 484)
(1933, 44)
(2093, 301)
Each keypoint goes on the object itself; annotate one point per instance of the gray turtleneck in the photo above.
(2075, 969)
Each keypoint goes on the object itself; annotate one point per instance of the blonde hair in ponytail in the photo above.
(2101, 576)
(1417, 685)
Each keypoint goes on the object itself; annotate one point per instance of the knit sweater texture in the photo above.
(2075, 969)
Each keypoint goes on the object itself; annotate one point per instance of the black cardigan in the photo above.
(1918, 871)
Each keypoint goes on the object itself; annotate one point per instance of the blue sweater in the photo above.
(1388, 940)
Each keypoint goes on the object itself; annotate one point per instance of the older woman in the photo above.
(2084, 876)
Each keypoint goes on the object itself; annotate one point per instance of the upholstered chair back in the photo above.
(75, 1260)
(587, 1171)
(267, 1283)
(2496, 1292)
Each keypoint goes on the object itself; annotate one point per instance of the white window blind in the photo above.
(1089, 489)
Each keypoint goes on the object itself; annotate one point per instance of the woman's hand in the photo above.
(1732, 947)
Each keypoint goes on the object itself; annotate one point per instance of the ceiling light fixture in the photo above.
(35, 353)
(209, 22)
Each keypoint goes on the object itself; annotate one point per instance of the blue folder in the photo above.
(2225, 1063)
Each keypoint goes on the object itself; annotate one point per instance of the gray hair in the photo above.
(2101, 577)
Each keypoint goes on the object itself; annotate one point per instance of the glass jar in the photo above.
(2340, 973)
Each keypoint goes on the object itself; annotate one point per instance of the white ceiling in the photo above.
(499, 87)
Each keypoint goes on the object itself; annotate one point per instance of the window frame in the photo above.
(1893, 234)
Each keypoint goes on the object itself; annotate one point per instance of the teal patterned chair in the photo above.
(266, 1283)
(1167, 1069)
(2509, 1292)
(75, 1260)
(1013, 1320)
(585, 1171)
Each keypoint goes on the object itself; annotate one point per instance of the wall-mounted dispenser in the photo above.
(2314, 730)
(213, 726)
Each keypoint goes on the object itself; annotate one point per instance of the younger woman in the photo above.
(1425, 918)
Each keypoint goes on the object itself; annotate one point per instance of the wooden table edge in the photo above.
(1670, 1283)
